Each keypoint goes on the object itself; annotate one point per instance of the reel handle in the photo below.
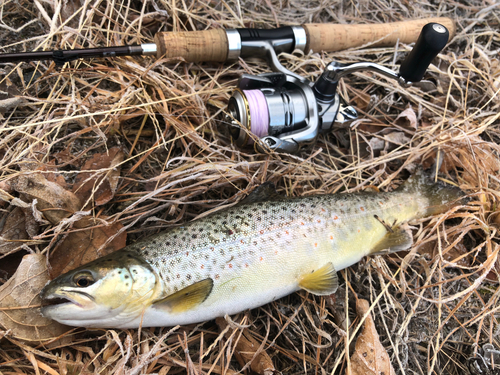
(431, 41)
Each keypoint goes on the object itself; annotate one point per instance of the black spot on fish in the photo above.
(194, 236)
(127, 276)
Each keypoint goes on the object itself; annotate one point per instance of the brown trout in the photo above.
(241, 257)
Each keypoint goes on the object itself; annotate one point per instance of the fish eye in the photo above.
(83, 280)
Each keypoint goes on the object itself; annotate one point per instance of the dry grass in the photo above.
(435, 306)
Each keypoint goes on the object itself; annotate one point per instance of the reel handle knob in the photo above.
(431, 41)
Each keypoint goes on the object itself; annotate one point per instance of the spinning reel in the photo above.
(288, 112)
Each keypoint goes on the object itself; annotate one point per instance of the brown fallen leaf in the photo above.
(83, 246)
(370, 357)
(407, 118)
(99, 186)
(53, 201)
(13, 232)
(247, 349)
(20, 302)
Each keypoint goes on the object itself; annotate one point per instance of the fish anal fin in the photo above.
(399, 238)
(321, 282)
(187, 298)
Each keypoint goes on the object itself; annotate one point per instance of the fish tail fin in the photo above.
(441, 197)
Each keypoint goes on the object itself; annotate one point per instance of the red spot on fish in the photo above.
(335, 218)
(302, 223)
(359, 231)
(319, 221)
(217, 277)
(246, 265)
(261, 259)
(276, 252)
(202, 266)
(323, 210)
(331, 237)
(261, 232)
(212, 248)
(187, 253)
(381, 203)
(230, 232)
(362, 208)
(287, 232)
(230, 265)
(315, 244)
(242, 241)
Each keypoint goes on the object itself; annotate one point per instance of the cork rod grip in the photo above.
(193, 46)
(334, 37)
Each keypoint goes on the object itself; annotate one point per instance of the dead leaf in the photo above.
(398, 138)
(20, 302)
(247, 349)
(83, 246)
(100, 186)
(370, 357)
(13, 232)
(53, 201)
(407, 118)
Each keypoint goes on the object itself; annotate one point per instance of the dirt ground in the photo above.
(102, 152)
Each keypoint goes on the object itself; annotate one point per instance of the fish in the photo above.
(242, 257)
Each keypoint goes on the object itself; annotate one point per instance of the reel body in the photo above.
(284, 112)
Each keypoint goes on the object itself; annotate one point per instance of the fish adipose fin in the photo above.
(397, 238)
(321, 282)
(187, 298)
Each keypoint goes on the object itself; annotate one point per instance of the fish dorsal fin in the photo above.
(397, 238)
(262, 193)
(187, 298)
(321, 282)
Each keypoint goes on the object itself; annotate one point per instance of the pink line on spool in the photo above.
(259, 113)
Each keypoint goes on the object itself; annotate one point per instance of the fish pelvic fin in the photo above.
(187, 298)
(321, 282)
(441, 197)
(397, 238)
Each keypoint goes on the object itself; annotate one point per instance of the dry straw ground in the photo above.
(138, 144)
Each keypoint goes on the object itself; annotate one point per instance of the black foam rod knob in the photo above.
(431, 41)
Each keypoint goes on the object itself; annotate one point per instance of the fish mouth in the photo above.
(56, 300)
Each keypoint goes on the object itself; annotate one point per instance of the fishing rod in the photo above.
(282, 111)
(219, 45)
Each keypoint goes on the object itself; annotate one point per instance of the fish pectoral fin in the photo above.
(187, 298)
(397, 239)
(321, 282)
